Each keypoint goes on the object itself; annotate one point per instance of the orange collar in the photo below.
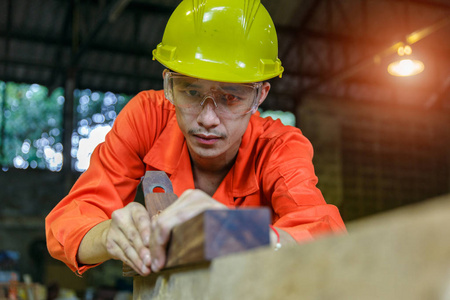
(170, 154)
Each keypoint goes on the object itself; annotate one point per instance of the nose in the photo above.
(208, 117)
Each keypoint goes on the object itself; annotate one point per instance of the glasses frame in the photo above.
(168, 90)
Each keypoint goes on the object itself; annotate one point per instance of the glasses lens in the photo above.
(191, 94)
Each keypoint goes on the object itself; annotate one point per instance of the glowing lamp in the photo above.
(406, 66)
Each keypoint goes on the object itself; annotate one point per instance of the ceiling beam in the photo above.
(312, 9)
(138, 49)
(61, 68)
(103, 46)
(110, 14)
(68, 19)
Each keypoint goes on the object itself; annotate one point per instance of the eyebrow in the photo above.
(189, 83)
(233, 88)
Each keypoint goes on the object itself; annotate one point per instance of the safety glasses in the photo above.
(192, 94)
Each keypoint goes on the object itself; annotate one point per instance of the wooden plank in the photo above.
(400, 254)
(216, 233)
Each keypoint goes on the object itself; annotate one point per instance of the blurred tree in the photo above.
(95, 115)
(31, 126)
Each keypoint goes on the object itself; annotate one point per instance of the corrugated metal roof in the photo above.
(323, 45)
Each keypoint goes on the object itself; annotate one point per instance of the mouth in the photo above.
(207, 139)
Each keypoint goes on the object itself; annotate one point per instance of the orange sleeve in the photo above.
(110, 182)
(298, 205)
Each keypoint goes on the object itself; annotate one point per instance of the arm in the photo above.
(125, 237)
(110, 239)
(110, 182)
(290, 183)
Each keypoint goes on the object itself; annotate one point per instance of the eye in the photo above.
(192, 93)
(231, 99)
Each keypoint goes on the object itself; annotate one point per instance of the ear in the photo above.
(265, 88)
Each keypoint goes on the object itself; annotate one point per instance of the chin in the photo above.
(207, 153)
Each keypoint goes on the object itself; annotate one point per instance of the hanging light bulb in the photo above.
(405, 67)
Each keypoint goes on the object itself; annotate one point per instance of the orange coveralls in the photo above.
(273, 168)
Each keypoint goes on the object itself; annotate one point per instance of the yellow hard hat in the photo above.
(221, 40)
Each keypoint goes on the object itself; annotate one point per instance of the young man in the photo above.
(204, 131)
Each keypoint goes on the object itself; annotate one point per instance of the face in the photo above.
(212, 133)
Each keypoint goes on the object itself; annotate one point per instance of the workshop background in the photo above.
(68, 67)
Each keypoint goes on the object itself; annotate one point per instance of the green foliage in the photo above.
(31, 126)
(95, 115)
(286, 117)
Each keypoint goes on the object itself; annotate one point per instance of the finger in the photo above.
(124, 233)
(125, 254)
(191, 204)
(158, 256)
(158, 250)
(194, 197)
(130, 253)
(127, 221)
(142, 222)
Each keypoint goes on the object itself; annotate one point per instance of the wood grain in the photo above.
(157, 202)
(216, 233)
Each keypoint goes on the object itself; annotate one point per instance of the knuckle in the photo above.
(155, 224)
(131, 235)
(197, 193)
(127, 249)
(116, 215)
(187, 193)
(143, 222)
(181, 215)
(110, 246)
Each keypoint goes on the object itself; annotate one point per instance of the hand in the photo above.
(128, 237)
(189, 204)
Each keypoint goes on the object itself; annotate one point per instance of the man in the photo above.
(204, 131)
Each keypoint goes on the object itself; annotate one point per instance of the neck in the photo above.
(214, 165)
(209, 173)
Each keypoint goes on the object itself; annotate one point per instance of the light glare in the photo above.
(406, 67)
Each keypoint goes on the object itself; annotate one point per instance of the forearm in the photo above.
(92, 248)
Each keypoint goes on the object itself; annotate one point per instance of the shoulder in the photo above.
(148, 106)
(269, 128)
(144, 118)
(273, 136)
(151, 98)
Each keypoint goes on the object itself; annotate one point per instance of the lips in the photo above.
(207, 139)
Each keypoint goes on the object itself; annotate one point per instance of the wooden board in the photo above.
(216, 233)
(400, 254)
